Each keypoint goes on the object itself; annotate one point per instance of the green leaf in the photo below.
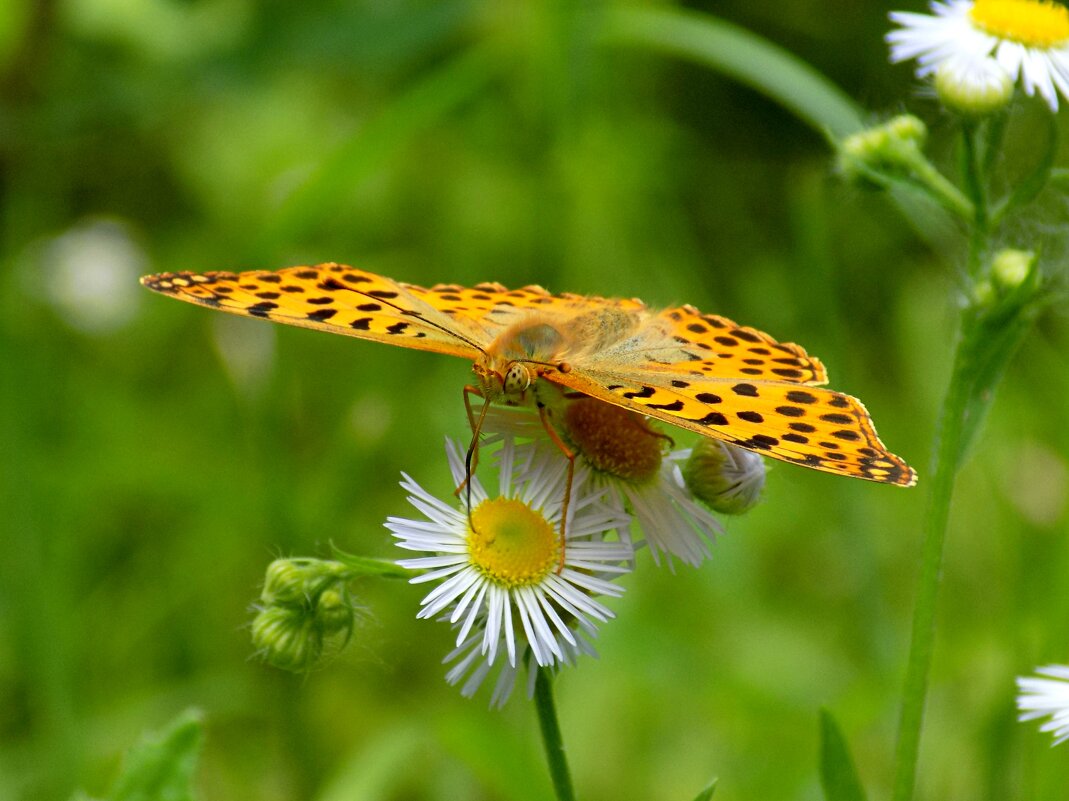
(990, 337)
(161, 766)
(838, 776)
(742, 55)
(707, 793)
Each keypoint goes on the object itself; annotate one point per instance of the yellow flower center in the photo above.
(1034, 23)
(511, 543)
(614, 440)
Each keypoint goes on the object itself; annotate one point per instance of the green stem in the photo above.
(943, 190)
(951, 425)
(974, 184)
(551, 737)
(950, 438)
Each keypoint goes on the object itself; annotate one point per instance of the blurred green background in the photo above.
(157, 456)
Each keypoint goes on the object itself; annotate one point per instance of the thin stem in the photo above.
(935, 526)
(975, 185)
(943, 190)
(551, 737)
(950, 437)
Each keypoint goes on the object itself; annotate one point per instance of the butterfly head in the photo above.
(507, 382)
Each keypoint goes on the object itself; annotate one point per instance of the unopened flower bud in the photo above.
(334, 612)
(907, 128)
(297, 581)
(974, 86)
(726, 478)
(1011, 268)
(983, 294)
(287, 638)
(894, 146)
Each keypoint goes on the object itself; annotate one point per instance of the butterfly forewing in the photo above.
(328, 297)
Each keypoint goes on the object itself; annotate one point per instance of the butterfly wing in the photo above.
(717, 346)
(491, 307)
(330, 297)
(810, 426)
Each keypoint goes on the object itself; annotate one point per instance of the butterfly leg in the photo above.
(471, 458)
(569, 454)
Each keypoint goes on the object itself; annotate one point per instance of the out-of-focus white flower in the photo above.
(1046, 696)
(1028, 38)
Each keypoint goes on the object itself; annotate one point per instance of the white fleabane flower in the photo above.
(500, 577)
(626, 458)
(472, 668)
(673, 523)
(1047, 696)
(1028, 38)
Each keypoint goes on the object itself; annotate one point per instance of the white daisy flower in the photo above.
(499, 573)
(1049, 696)
(1028, 38)
(473, 669)
(626, 458)
(673, 523)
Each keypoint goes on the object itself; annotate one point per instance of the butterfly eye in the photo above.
(517, 379)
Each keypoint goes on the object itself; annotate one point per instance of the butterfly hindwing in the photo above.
(810, 426)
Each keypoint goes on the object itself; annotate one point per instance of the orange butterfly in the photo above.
(698, 371)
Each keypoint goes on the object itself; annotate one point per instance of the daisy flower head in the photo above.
(499, 576)
(627, 458)
(1040, 697)
(1028, 39)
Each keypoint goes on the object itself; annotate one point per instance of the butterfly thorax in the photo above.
(521, 353)
(541, 343)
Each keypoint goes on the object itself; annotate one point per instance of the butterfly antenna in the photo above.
(410, 313)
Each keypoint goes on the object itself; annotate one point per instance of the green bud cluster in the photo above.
(894, 146)
(304, 603)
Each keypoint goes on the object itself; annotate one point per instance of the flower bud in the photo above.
(1011, 268)
(983, 294)
(974, 86)
(298, 581)
(725, 477)
(287, 638)
(334, 612)
(895, 146)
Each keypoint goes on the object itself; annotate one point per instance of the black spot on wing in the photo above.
(674, 406)
(261, 309)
